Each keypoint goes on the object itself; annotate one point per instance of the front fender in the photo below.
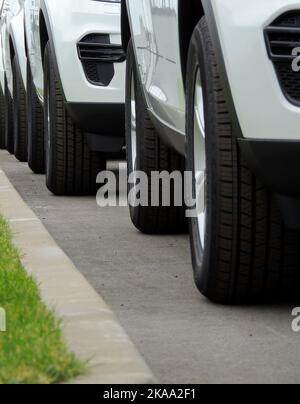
(36, 12)
(16, 32)
(251, 81)
(1, 70)
(2, 55)
(209, 7)
(46, 10)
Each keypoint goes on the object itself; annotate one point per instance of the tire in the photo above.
(248, 255)
(2, 119)
(152, 155)
(71, 169)
(9, 120)
(35, 127)
(19, 114)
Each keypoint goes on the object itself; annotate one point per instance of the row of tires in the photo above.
(46, 136)
(241, 250)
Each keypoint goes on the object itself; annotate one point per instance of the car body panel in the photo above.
(2, 83)
(154, 27)
(67, 23)
(12, 32)
(262, 110)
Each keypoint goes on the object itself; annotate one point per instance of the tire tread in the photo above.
(256, 257)
(74, 167)
(153, 155)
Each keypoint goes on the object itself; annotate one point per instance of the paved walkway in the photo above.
(148, 282)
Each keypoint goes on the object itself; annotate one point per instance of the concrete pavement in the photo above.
(90, 328)
(148, 283)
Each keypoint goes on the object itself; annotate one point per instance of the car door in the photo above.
(155, 33)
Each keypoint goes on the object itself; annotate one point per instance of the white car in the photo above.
(76, 73)
(217, 82)
(14, 78)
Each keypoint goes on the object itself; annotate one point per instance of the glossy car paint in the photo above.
(68, 21)
(262, 109)
(1, 50)
(154, 26)
(12, 32)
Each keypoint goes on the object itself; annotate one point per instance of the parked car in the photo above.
(76, 74)
(212, 81)
(14, 64)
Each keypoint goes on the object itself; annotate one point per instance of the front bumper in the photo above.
(70, 21)
(262, 110)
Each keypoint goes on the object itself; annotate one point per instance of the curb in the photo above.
(90, 328)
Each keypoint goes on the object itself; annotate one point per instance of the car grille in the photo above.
(282, 37)
(98, 56)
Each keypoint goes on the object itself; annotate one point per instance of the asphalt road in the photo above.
(148, 282)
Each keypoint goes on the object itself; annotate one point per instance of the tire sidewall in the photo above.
(9, 124)
(203, 259)
(15, 104)
(48, 129)
(35, 126)
(2, 118)
(131, 74)
(19, 113)
(29, 110)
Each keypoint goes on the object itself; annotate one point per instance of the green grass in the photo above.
(32, 350)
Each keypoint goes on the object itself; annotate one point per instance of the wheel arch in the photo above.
(189, 14)
(46, 37)
(12, 51)
(26, 43)
(44, 33)
(125, 26)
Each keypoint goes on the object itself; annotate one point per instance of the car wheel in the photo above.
(35, 127)
(71, 168)
(240, 248)
(147, 153)
(2, 119)
(19, 114)
(9, 121)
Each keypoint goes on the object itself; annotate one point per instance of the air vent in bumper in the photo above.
(282, 37)
(98, 56)
(100, 52)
